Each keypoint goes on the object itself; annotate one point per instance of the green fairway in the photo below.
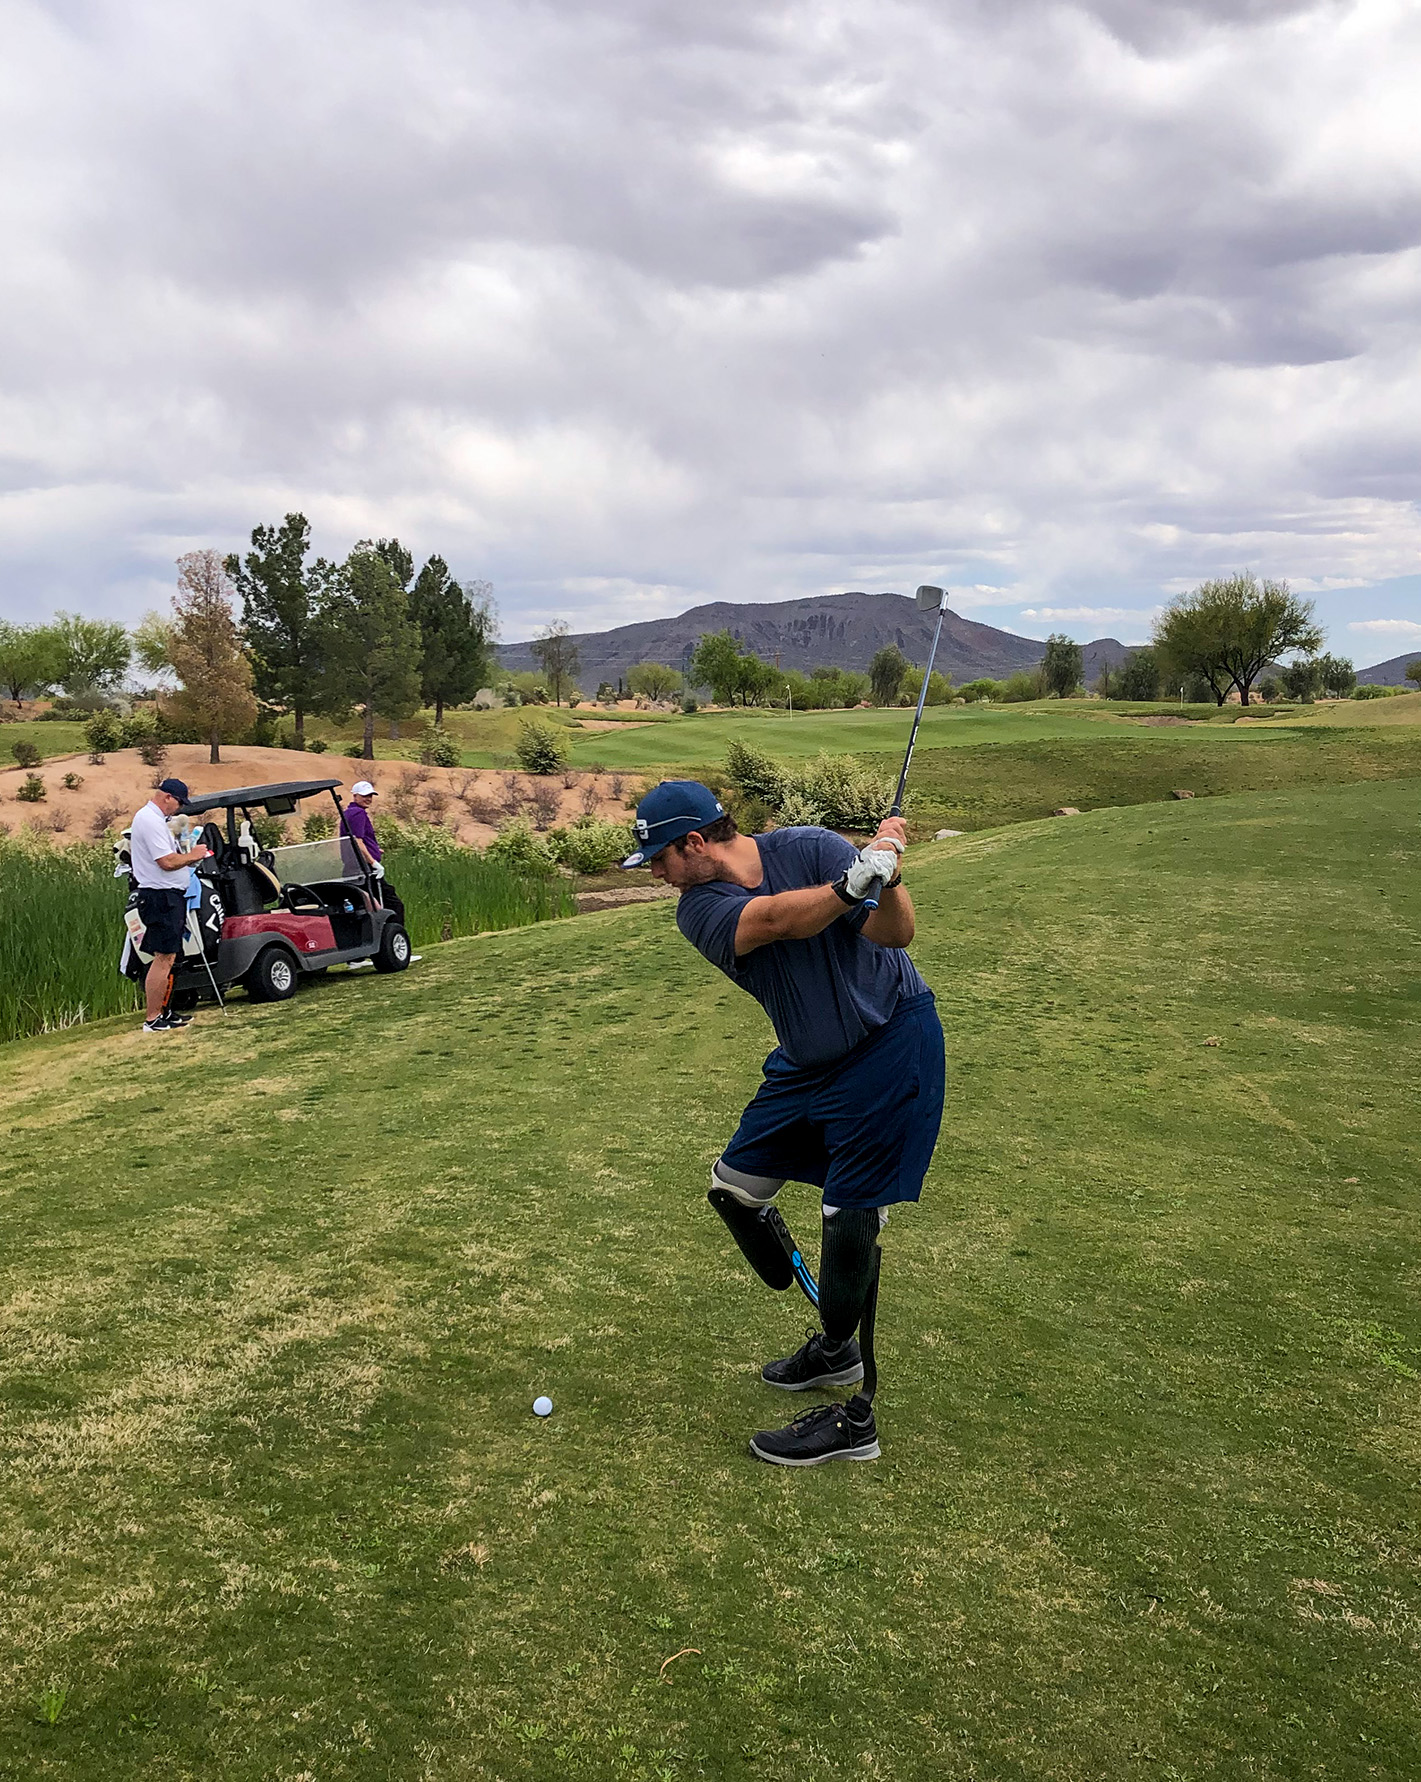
(278, 1292)
(51, 738)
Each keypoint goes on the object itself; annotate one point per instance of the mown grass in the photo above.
(61, 923)
(275, 1297)
(51, 738)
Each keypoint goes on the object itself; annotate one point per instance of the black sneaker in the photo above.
(816, 1364)
(163, 1024)
(175, 1020)
(827, 1432)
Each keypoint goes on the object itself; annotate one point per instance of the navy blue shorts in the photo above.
(164, 918)
(862, 1128)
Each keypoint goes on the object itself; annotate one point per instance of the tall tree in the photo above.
(652, 680)
(1063, 665)
(92, 655)
(722, 663)
(1139, 678)
(1227, 631)
(368, 643)
(205, 651)
(280, 600)
(1337, 675)
(29, 659)
(557, 655)
(885, 674)
(457, 626)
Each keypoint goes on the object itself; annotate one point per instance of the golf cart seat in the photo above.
(333, 897)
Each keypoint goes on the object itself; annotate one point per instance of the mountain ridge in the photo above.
(819, 630)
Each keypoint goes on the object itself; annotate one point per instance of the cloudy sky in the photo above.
(627, 306)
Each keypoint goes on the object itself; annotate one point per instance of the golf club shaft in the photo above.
(897, 811)
(197, 931)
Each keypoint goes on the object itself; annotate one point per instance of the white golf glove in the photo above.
(377, 869)
(873, 867)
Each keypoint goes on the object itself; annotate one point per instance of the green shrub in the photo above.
(540, 747)
(72, 782)
(137, 728)
(517, 848)
(28, 754)
(317, 745)
(850, 794)
(319, 826)
(591, 845)
(755, 773)
(418, 838)
(32, 791)
(976, 691)
(1370, 690)
(153, 752)
(102, 733)
(438, 749)
(270, 832)
(1017, 688)
(798, 808)
(689, 703)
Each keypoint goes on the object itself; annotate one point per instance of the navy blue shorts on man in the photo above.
(862, 1128)
(164, 918)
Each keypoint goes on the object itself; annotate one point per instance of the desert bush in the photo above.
(437, 748)
(59, 821)
(317, 745)
(512, 801)
(689, 703)
(798, 807)
(1370, 690)
(319, 826)
(590, 799)
(270, 832)
(754, 772)
(482, 808)
(436, 804)
(32, 790)
(153, 752)
(546, 804)
(105, 818)
(974, 692)
(516, 847)
(28, 754)
(103, 733)
(540, 748)
(591, 846)
(72, 782)
(850, 794)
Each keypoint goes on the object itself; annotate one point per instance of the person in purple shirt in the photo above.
(355, 822)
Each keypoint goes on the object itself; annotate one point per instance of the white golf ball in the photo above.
(542, 1407)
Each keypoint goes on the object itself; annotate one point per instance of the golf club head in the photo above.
(929, 598)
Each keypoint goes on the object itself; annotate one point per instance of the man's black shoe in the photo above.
(816, 1364)
(825, 1433)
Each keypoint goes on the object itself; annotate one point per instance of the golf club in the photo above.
(929, 600)
(197, 936)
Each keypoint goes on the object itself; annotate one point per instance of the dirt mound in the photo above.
(470, 803)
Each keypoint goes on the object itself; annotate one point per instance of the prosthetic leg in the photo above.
(849, 1265)
(746, 1204)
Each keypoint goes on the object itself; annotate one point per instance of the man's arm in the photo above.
(892, 923)
(788, 915)
(171, 862)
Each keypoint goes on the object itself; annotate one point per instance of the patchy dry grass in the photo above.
(276, 1295)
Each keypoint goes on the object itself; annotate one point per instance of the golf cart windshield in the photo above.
(318, 862)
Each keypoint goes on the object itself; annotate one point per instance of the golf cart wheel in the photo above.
(395, 949)
(273, 977)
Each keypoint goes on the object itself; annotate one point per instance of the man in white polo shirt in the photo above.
(162, 875)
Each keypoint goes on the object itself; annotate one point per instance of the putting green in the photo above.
(278, 1294)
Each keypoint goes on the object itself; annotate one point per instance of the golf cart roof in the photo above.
(241, 796)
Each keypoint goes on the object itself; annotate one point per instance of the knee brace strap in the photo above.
(750, 1191)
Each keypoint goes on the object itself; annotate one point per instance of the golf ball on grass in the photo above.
(542, 1407)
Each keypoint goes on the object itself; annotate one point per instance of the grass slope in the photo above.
(277, 1295)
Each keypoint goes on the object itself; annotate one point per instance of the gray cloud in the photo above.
(630, 306)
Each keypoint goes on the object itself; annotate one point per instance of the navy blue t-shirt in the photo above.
(824, 995)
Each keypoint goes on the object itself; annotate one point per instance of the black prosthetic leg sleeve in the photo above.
(764, 1241)
(848, 1284)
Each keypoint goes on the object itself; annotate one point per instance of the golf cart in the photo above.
(265, 916)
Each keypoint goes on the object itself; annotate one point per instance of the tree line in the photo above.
(364, 635)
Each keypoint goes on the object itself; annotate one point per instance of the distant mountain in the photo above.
(822, 631)
(1388, 674)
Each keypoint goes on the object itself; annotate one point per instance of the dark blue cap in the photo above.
(174, 789)
(669, 811)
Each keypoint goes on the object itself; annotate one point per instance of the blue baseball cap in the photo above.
(669, 811)
(174, 789)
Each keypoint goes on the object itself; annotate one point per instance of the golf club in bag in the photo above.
(929, 600)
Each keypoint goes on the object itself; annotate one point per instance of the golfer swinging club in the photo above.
(852, 1096)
